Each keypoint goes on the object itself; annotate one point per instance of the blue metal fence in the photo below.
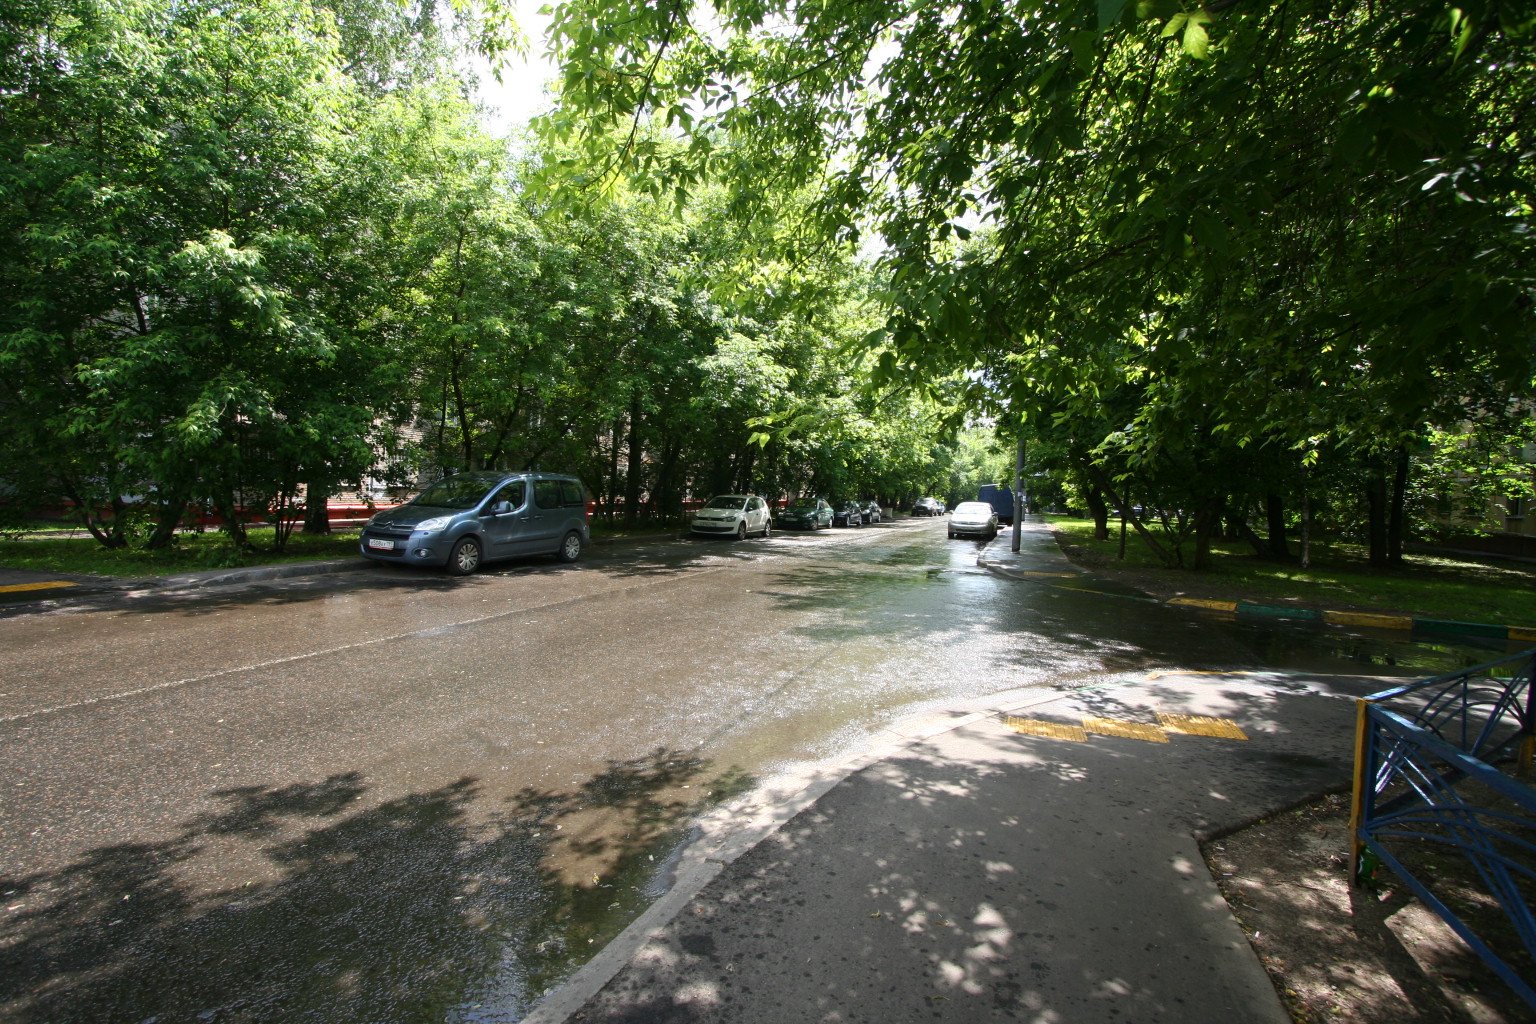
(1428, 762)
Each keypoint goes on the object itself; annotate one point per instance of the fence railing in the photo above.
(1444, 765)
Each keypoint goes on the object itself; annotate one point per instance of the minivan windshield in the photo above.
(462, 491)
(726, 501)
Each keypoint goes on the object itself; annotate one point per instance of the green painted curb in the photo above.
(1270, 611)
(1450, 627)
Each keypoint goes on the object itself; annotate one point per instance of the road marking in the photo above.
(1125, 730)
(1050, 730)
(1201, 725)
(16, 588)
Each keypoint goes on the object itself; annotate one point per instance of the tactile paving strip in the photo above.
(1201, 725)
(1050, 730)
(1125, 730)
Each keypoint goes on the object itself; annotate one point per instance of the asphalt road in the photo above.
(390, 795)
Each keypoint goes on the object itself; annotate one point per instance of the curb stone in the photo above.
(1417, 625)
(1414, 624)
(263, 573)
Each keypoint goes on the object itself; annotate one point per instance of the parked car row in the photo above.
(464, 521)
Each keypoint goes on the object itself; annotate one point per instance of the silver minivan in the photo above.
(464, 520)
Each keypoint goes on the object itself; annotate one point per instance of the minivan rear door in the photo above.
(546, 521)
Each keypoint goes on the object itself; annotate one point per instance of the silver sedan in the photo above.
(973, 519)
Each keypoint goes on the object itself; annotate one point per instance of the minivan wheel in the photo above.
(570, 547)
(465, 557)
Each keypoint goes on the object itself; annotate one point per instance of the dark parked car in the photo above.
(973, 519)
(805, 514)
(873, 513)
(927, 507)
(462, 521)
(849, 513)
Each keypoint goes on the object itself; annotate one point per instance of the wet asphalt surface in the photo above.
(390, 795)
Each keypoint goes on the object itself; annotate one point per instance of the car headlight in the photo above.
(430, 525)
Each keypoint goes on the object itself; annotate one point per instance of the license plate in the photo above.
(381, 545)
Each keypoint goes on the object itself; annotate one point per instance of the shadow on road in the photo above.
(987, 876)
(401, 911)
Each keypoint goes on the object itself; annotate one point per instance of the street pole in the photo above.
(1018, 492)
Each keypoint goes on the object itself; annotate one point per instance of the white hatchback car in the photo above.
(736, 515)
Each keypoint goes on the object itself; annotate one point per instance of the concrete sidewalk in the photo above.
(1031, 857)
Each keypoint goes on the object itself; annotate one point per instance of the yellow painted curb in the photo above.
(16, 588)
(1368, 619)
(1213, 606)
(1522, 635)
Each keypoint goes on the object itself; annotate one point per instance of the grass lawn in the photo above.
(1430, 586)
(212, 550)
(192, 552)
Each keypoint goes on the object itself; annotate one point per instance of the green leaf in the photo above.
(1197, 42)
(1109, 13)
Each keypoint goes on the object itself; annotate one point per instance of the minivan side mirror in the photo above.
(501, 508)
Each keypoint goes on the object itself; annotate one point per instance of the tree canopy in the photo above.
(1208, 260)
(1284, 239)
(267, 249)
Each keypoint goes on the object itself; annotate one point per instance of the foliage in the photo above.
(1231, 254)
(257, 253)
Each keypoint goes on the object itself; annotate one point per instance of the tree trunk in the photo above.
(1274, 507)
(613, 467)
(1162, 553)
(167, 518)
(666, 498)
(634, 466)
(227, 510)
(1396, 520)
(1376, 516)
(108, 535)
(1306, 527)
(1207, 526)
(1100, 510)
(317, 513)
(1260, 546)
